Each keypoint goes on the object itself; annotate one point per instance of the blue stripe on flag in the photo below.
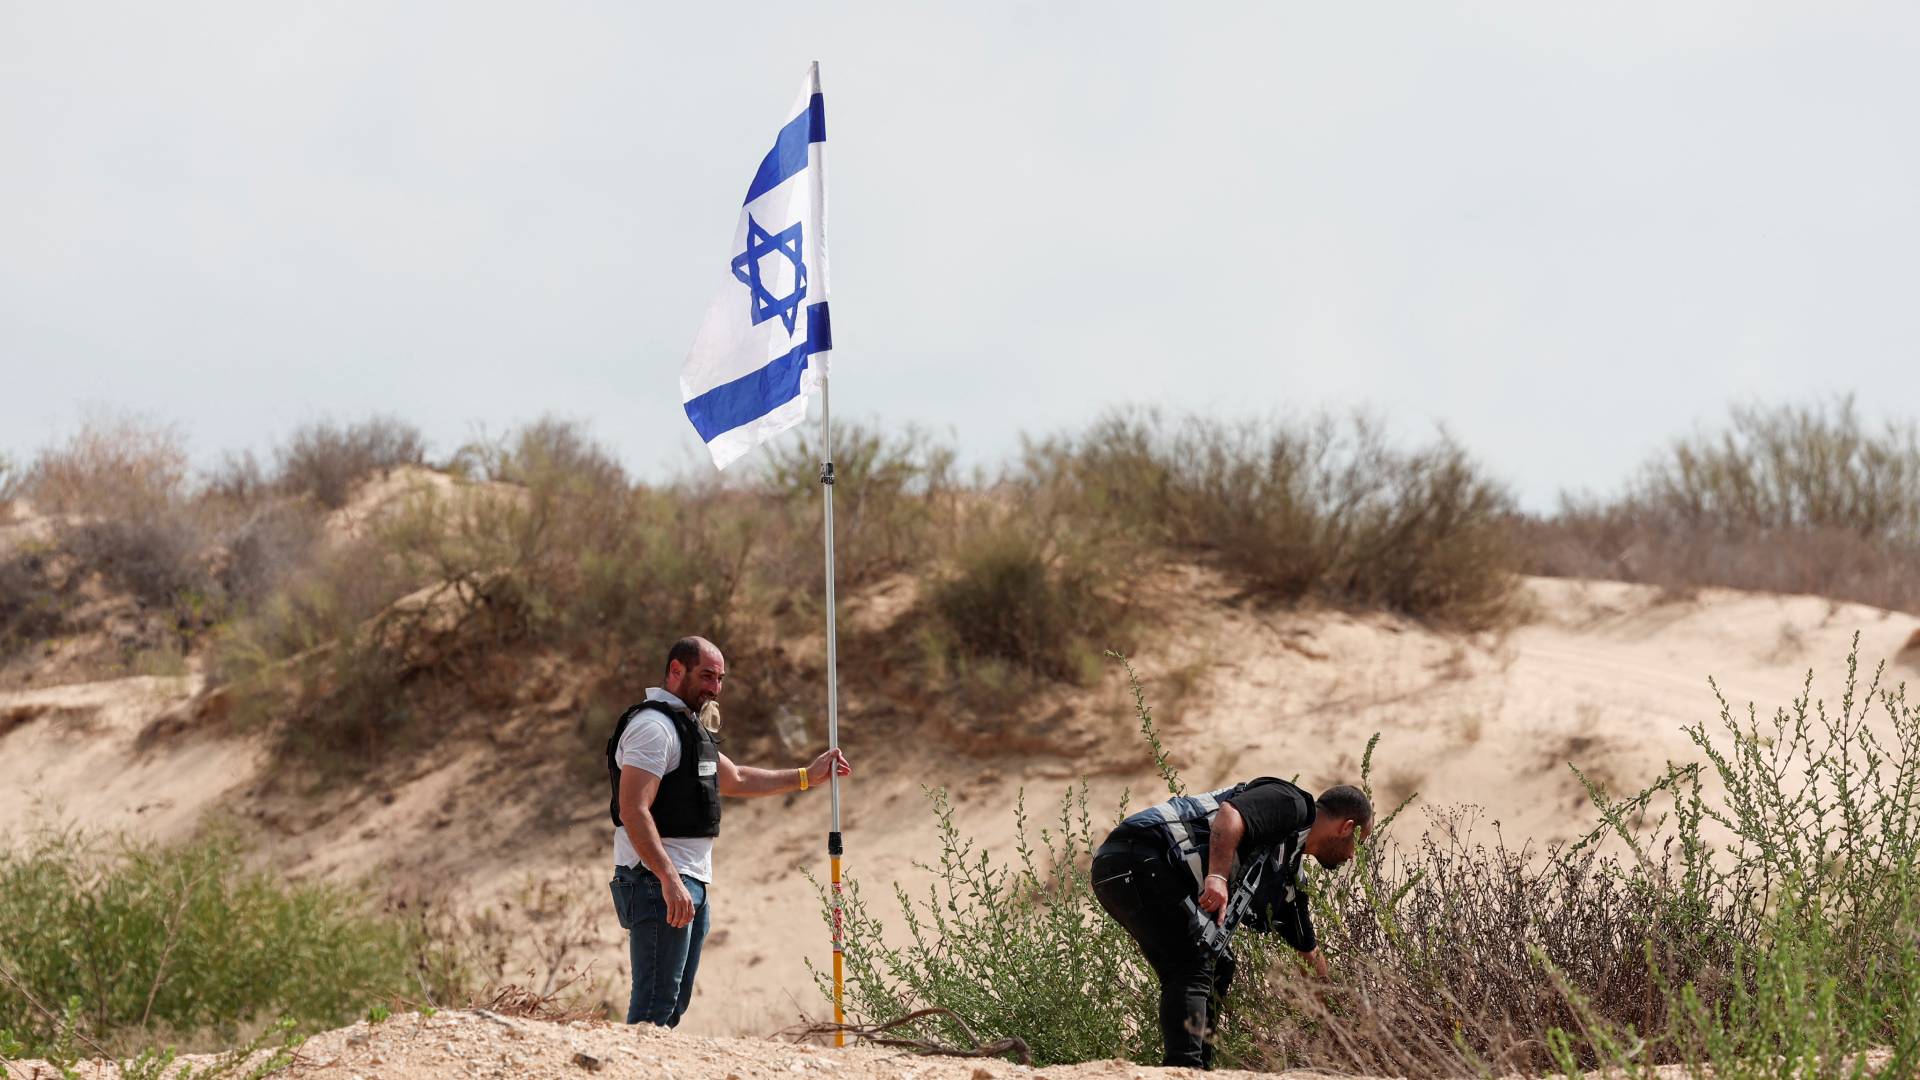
(789, 153)
(758, 393)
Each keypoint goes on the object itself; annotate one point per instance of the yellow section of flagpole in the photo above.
(839, 1013)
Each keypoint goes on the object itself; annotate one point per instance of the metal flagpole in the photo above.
(833, 713)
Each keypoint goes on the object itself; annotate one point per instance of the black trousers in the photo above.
(1146, 894)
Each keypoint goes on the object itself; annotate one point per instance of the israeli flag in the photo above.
(764, 344)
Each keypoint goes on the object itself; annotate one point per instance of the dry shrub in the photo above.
(327, 461)
(520, 954)
(563, 1004)
(548, 451)
(311, 652)
(1626, 542)
(125, 511)
(1790, 468)
(1015, 595)
(1323, 510)
(547, 551)
(895, 500)
(32, 604)
(562, 551)
(238, 481)
(264, 547)
(321, 603)
(1787, 500)
(161, 560)
(1458, 968)
(113, 466)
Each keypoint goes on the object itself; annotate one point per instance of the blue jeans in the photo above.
(664, 957)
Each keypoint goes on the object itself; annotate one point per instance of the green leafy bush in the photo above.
(1816, 894)
(1019, 948)
(181, 940)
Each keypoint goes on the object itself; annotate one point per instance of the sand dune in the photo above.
(1604, 675)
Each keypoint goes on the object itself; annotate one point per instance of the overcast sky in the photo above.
(1564, 232)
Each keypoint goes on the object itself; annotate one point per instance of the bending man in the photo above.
(667, 775)
(1180, 876)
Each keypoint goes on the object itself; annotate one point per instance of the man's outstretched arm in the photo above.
(745, 780)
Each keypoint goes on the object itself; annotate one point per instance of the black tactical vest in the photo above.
(688, 802)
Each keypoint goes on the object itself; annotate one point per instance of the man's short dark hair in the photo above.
(686, 652)
(1346, 803)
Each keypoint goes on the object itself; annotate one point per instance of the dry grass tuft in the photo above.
(564, 1002)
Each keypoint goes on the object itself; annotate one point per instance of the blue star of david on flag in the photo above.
(746, 266)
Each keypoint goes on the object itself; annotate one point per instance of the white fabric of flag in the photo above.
(763, 347)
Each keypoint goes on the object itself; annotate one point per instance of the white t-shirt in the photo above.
(650, 743)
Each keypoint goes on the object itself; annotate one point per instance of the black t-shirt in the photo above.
(1272, 813)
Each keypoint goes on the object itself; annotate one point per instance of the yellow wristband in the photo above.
(803, 778)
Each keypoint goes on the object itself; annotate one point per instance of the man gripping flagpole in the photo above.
(763, 348)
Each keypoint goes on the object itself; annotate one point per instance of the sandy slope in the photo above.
(1604, 676)
(75, 753)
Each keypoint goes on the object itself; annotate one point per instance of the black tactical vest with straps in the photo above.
(688, 802)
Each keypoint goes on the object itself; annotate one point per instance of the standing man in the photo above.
(667, 775)
(1181, 876)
